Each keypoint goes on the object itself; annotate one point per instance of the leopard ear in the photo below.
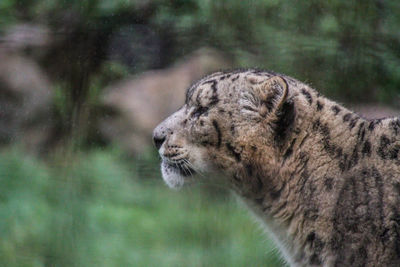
(265, 97)
(271, 95)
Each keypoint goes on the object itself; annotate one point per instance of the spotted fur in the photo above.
(324, 181)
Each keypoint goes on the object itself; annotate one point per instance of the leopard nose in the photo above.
(158, 140)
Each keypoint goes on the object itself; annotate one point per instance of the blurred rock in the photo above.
(25, 101)
(140, 103)
(22, 36)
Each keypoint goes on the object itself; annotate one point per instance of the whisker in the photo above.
(184, 165)
(190, 170)
(193, 167)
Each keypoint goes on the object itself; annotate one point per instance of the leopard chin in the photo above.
(176, 175)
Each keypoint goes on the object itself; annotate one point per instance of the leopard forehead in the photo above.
(224, 84)
(207, 91)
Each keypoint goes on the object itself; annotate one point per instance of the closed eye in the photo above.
(199, 111)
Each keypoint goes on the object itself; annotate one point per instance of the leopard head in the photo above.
(224, 124)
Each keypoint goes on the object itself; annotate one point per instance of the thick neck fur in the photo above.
(298, 193)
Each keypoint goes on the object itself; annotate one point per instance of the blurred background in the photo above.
(83, 83)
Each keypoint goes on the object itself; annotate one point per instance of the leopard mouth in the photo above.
(176, 174)
(180, 167)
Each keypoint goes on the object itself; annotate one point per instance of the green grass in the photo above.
(101, 210)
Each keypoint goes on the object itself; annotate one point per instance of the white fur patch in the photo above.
(171, 176)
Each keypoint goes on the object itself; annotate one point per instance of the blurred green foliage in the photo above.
(95, 210)
(348, 49)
